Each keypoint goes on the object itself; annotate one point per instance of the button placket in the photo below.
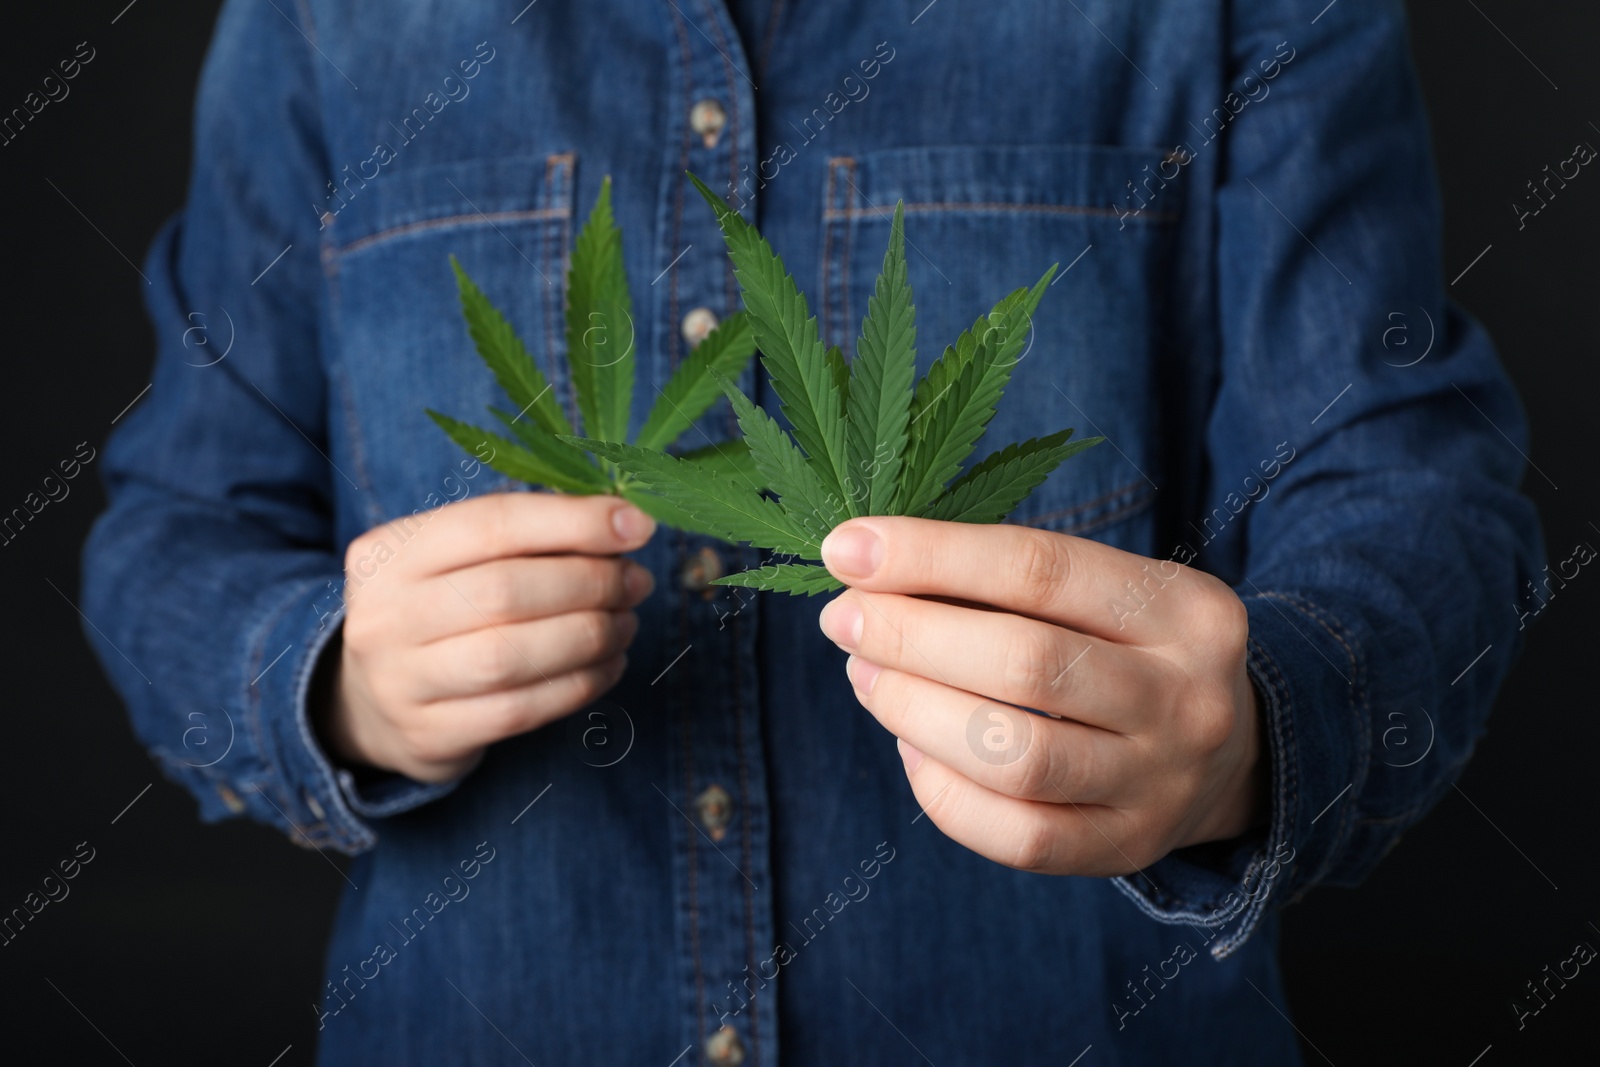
(697, 324)
(700, 570)
(724, 1048)
(722, 880)
(715, 808)
(707, 118)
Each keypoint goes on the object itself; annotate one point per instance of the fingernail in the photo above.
(852, 553)
(910, 756)
(632, 524)
(862, 674)
(841, 621)
(638, 581)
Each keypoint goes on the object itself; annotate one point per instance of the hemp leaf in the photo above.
(863, 439)
(600, 364)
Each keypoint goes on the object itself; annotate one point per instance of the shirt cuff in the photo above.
(1306, 675)
(320, 805)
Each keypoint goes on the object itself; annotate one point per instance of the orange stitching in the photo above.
(849, 242)
(551, 301)
(772, 34)
(1048, 209)
(1133, 506)
(451, 220)
(827, 249)
(1088, 505)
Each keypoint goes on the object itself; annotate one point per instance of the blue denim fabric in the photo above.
(1245, 197)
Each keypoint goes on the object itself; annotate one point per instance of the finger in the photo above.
(1003, 748)
(1029, 835)
(498, 658)
(524, 588)
(472, 722)
(1082, 584)
(498, 525)
(1008, 657)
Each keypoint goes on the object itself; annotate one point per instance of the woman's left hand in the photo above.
(1155, 741)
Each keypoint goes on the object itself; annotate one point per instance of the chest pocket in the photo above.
(979, 223)
(399, 340)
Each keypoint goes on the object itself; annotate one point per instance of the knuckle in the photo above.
(507, 716)
(587, 686)
(359, 630)
(362, 547)
(497, 524)
(499, 594)
(907, 553)
(1036, 845)
(1041, 565)
(1033, 659)
(889, 700)
(1222, 616)
(603, 581)
(595, 632)
(488, 661)
(883, 636)
(1236, 624)
(1051, 773)
(1033, 777)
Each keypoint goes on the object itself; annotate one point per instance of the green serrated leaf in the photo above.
(690, 391)
(560, 456)
(947, 429)
(879, 399)
(600, 328)
(864, 428)
(841, 374)
(786, 334)
(666, 512)
(510, 458)
(955, 401)
(793, 578)
(720, 503)
(502, 350)
(989, 491)
(726, 457)
(1010, 324)
(784, 468)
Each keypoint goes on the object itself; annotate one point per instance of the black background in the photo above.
(183, 943)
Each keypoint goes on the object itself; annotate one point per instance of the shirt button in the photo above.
(231, 799)
(724, 1049)
(699, 570)
(707, 119)
(697, 324)
(316, 808)
(716, 809)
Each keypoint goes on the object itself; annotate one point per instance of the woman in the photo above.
(601, 808)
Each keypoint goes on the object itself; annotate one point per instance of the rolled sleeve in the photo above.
(213, 576)
(1380, 555)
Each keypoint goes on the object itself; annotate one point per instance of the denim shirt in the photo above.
(721, 860)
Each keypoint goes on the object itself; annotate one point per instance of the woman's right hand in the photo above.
(478, 621)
